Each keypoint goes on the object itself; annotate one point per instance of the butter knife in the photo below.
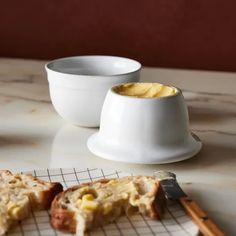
(173, 191)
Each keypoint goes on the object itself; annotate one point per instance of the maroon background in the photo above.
(171, 33)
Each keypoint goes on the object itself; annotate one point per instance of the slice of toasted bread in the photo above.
(19, 194)
(89, 205)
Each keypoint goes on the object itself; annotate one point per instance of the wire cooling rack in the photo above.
(175, 221)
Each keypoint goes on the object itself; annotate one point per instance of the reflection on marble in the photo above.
(70, 143)
(33, 136)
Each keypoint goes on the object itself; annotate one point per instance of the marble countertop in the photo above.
(33, 136)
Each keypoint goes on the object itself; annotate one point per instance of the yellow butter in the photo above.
(88, 197)
(107, 207)
(11, 205)
(146, 90)
(89, 205)
(13, 209)
(15, 212)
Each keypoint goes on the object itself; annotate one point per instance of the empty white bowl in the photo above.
(78, 85)
(144, 130)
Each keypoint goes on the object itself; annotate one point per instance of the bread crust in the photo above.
(62, 219)
(65, 220)
(49, 195)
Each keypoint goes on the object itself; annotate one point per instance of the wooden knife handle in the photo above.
(205, 224)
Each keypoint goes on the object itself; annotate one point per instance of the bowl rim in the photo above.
(47, 65)
(179, 92)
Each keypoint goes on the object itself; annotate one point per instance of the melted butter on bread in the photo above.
(104, 201)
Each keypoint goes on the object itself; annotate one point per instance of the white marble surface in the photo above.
(33, 136)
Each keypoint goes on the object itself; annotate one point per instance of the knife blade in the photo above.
(173, 191)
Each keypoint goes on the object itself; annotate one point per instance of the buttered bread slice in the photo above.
(90, 205)
(19, 194)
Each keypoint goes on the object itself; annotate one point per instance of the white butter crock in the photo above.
(144, 130)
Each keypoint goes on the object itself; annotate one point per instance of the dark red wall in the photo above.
(170, 33)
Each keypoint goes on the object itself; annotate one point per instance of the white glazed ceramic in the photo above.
(78, 85)
(144, 130)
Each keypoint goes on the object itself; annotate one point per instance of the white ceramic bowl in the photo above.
(144, 130)
(78, 85)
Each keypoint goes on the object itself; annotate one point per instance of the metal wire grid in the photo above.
(175, 221)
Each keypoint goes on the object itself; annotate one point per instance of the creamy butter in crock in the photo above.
(145, 90)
